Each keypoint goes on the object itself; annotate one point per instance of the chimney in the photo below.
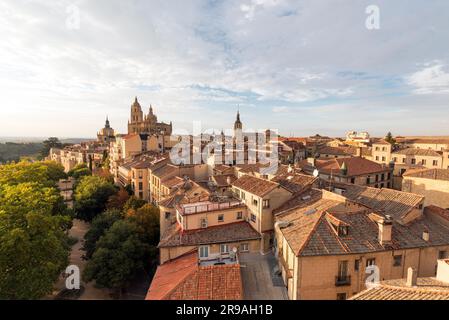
(412, 277)
(311, 161)
(228, 180)
(358, 152)
(385, 230)
(425, 235)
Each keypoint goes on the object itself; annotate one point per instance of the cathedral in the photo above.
(140, 123)
(106, 134)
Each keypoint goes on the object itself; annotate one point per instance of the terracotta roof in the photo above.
(388, 201)
(144, 160)
(311, 230)
(295, 182)
(172, 181)
(380, 141)
(222, 180)
(299, 200)
(443, 213)
(254, 185)
(356, 166)
(434, 174)
(426, 289)
(184, 279)
(423, 140)
(165, 171)
(231, 232)
(187, 192)
(417, 152)
(222, 168)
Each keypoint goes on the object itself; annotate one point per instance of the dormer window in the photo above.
(343, 231)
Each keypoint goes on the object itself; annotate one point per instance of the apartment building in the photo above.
(261, 197)
(354, 170)
(214, 228)
(327, 244)
(433, 184)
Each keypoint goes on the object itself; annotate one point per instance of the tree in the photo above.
(51, 142)
(55, 171)
(91, 195)
(133, 203)
(33, 243)
(118, 256)
(389, 138)
(100, 224)
(80, 170)
(118, 200)
(146, 217)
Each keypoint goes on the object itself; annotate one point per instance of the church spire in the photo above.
(238, 123)
(107, 125)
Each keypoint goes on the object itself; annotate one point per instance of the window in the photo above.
(342, 269)
(167, 215)
(384, 159)
(435, 162)
(384, 149)
(413, 161)
(395, 159)
(442, 254)
(203, 251)
(140, 185)
(403, 160)
(203, 223)
(389, 176)
(377, 158)
(224, 248)
(221, 218)
(255, 202)
(382, 177)
(377, 177)
(140, 174)
(352, 180)
(239, 215)
(266, 203)
(357, 265)
(342, 231)
(243, 195)
(377, 148)
(381, 185)
(253, 217)
(368, 180)
(423, 162)
(397, 261)
(244, 247)
(140, 195)
(341, 296)
(370, 262)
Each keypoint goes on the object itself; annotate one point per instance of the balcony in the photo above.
(342, 281)
(207, 206)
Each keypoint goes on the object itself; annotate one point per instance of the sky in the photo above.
(301, 67)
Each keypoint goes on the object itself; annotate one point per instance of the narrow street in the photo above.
(90, 291)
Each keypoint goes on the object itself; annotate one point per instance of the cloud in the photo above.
(430, 80)
(202, 59)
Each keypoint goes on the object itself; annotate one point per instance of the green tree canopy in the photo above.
(389, 138)
(134, 204)
(118, 256)
(33, 220)
(51, 142)
(91, 195)
(80, 170)
(100, 224)
(118, 200)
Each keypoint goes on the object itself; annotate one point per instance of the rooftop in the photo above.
(312, 229)
(231, 232)
(434, 174)
(417, 152)
(257, 186)
(207, 206)
(295, 182)
(183, 279)
(356, 166)
(426, 289)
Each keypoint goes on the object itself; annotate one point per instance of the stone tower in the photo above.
(136, 112)
(237, 124)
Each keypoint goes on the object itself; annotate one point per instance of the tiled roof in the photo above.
(434, 174)
(184, 279)
(231, 232)
(311, 230)
(298, 200)
(254, 185)
(144, 160)
(388, 201)
(295, 182)
(172, 181)
(186, 192)
(356, 166)
(165, 171)
(443, 213)
(380, 141)
(442, 140)
(417, 152)
(222, 180)
(426, 289)
(338, 151)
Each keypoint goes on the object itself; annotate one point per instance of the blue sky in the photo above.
(302, 67)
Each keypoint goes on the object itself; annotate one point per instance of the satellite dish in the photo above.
(316, 173)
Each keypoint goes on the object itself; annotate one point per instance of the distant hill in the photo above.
(13, 151)
(40, 139)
